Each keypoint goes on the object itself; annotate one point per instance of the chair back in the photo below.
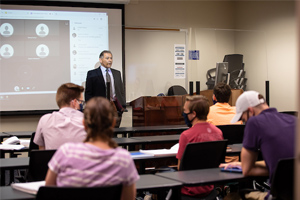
(234, 133)
(32, 145)
(176, 90)
(295, 113)
(203, 155)
(235, 62)
(282, 186)
(73, 193)
(38, 164)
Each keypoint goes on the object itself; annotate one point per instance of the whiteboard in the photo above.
(149, 63)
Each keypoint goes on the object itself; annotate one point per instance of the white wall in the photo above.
(273, 50)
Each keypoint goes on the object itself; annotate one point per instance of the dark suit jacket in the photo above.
(95, 85)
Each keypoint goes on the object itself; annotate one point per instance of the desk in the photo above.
(152, 182)
(20, 134)
(8, 193)
(122, 130)
(146, 129)
(23, 163)
(146, 182)
(203, 177)
(12, 164)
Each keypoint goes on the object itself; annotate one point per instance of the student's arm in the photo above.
(249, 165)
(178, 165)
(41, 147)
(230, 165)
(51, 178)
(128, 192)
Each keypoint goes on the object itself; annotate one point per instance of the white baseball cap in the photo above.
(244, 101)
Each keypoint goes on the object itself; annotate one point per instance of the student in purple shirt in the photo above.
(267, 130)
(98, 161)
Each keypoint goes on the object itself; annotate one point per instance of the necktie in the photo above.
(108, 80)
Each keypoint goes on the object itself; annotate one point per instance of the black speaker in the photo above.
(191, 88)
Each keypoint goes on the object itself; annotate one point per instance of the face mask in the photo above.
(186, 119)
(214, 101)
(80, 107)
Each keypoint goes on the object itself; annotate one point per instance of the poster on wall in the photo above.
(179, 61)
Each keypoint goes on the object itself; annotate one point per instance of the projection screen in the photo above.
(42, 47)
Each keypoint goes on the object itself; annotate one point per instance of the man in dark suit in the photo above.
(96, 83)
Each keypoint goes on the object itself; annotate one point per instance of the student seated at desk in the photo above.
(195, 112)
(63, 126)
(221, 113)
(266, 129)
(98, 161)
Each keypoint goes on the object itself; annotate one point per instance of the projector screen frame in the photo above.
(67, 4)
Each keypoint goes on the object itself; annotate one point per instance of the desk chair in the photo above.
(176, 90)
(38, 164)
(32, 145)
(235, 69)
(282, 187)
(74, 193)
(23, 173)
(203, 155)
(234, 133)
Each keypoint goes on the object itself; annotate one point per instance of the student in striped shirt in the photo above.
(98, 161)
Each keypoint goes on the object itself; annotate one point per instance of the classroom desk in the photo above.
(146, 129)
(155, 183)
(146, 182)
(120, 141)
(23, 163)
(157, 139)
(204, 177)
(19, 134)
(122, 130)
(8, 193)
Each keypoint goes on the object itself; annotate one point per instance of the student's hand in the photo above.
(231, 165)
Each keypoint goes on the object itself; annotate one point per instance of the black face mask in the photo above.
(186, 119)
(80, 107)
(214, 101)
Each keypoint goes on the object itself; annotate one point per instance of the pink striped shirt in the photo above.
(82, 164)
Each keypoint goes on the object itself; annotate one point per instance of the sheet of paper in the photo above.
(11, 147)
(160, 152)
(30, 187)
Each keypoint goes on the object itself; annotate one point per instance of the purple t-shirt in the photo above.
(274, 134)
(82, 164)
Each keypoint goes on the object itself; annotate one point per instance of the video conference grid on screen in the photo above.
(40, 50)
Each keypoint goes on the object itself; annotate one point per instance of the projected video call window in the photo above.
(42, 49)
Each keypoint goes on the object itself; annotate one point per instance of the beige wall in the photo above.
(263, 31)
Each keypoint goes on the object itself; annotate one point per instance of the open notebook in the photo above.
(162, 152)
(30, 187)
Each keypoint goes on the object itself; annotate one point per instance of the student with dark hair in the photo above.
(65, 125)
(97, 161)
(195, 112)
(221, 113)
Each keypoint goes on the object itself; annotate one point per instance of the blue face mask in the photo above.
(186, 119)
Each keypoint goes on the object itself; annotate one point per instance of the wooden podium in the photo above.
(166, 110)
(157, 110)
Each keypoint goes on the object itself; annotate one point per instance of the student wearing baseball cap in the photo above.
(267, 130)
